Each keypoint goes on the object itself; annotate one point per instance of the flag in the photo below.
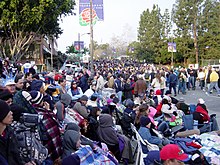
(84, 11)
(79, 45)
(171, 47)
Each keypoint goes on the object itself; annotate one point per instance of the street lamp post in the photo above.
(91, 38)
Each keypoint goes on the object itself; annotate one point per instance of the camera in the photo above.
(30, 120)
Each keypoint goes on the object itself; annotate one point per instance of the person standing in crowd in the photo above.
(182, 81)
(140, 88)
(100, 82)
(163, 82)
(201, 78)
(119, 87)
(152, 75)
(172, 82)
(111, 80)
(214, 82)
(192, 77)
(207, 77)
(156, 83)
(128, 89)
(83, 81)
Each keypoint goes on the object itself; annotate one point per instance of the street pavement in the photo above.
(212, 101)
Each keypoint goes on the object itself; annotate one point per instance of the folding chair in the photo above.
(140, 155)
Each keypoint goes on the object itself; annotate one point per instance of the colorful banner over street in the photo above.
(171, 47)
(84, 11)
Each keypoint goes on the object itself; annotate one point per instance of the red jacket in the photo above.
(203, 112)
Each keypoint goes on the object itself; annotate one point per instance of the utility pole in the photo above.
(91, 38)
(52, 51)
(79, 42)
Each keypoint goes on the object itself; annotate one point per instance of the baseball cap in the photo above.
(201, 101)
(9, 82)
(173, 151)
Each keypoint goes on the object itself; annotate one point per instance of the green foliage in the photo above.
(24, 21)
(196, 32)
(153, 35)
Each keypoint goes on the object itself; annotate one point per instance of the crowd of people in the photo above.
(85, 118)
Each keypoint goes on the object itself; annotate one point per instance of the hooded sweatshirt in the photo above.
(70, 140)
(65, 100)
(105, 131)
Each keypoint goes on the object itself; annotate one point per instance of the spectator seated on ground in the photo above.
(173, 99)
(201, 113)
(168, 109)
(181, 105)
(88, 152)
(80, 107)
(128, 117)
(111, 138)
(144, 131)
(71, 142)
(157, 97)
(49, 129)
(93, 101)
(142, 110)
(75, 92)
(93, 123)
(89, 92)
(8, 144)
(61, 106)
(158, 124)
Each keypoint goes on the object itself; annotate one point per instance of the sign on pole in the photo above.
(171, 47)
(84, 12)
(79, 45)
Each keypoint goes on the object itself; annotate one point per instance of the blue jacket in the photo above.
(146, 135)
(172, 78)
(83, 83)
(118, 85)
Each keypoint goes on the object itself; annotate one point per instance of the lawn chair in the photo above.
(140, 155)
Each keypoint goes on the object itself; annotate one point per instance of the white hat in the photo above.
(10, 82)
(201, 101)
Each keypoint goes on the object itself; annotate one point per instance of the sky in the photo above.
(121, 18)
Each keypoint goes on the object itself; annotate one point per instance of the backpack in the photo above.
(29, 144)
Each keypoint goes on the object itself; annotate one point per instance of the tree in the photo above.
(209, 34)
(149, 34)
(164, 56)
(197, 30)
(26, 21)
(183, 32)
(118, 45)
